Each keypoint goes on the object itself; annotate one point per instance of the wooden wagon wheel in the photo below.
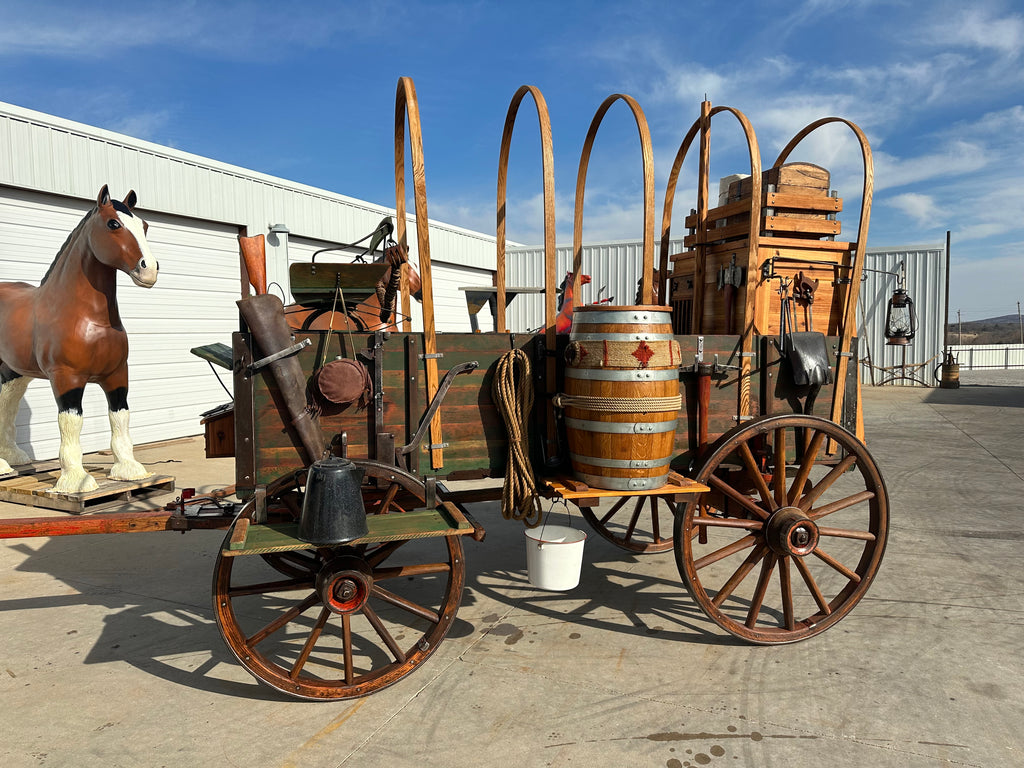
(638, 524)
(781, 549)
(348, 620)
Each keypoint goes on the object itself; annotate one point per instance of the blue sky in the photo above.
(306, 92)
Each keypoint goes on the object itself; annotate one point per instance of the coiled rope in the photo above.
(512, 391)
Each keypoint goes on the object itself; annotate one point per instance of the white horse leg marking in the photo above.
(73, 477)
(125, 466)
(11, 393)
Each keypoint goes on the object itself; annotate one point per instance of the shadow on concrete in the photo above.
(978, 394)
(156, 633)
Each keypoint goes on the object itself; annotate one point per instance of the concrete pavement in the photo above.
(110, 656)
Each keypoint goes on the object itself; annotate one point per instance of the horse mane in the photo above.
(74, 233)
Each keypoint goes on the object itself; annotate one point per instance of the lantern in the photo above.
(900, 319)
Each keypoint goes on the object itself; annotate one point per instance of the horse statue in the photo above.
(68, 330)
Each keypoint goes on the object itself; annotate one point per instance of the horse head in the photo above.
(117, 238)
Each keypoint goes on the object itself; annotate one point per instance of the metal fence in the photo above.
(989, 356)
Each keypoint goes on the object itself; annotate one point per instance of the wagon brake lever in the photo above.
(428, 416)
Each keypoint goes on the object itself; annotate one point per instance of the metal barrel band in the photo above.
(620, 404)
(623, 483)
(622, 427)
(635, 336)
(596, 461)
(637, 374)
(615, 317)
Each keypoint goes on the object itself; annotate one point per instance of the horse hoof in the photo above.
(16, 456)
(128, 470)
(75, 482)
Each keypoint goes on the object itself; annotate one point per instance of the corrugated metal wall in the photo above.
(926, 286)
(48, 154)
(614, 269)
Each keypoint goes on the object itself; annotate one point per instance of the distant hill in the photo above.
(994, 330)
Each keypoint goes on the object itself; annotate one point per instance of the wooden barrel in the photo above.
(621, 397)
(950, 376)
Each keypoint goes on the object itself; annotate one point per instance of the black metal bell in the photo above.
(332, 510)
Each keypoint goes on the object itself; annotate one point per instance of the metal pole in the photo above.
(945, 326)
(1020, 323)
(960, 331)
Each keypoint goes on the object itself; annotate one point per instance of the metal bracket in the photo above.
(292, 350)
(431, 356)
(435, 446)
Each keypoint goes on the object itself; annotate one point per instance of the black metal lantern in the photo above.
(900, 319)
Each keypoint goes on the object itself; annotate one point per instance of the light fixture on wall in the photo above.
(279, 229)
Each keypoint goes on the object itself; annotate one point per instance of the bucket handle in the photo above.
(544, 522)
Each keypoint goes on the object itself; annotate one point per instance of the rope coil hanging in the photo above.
(512, 391)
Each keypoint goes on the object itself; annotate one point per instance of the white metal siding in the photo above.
(49, 154)
(192, 304)
(926, 286)
(614, 269)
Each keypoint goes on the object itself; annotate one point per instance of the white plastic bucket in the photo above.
(554, 556)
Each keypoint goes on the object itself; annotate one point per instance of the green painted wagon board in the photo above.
(396, 526)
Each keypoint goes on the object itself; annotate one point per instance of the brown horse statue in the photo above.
(68, 330)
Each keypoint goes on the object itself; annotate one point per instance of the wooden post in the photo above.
(406, 105)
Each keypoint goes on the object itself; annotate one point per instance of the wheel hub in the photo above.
(790, 532)
(344, 584)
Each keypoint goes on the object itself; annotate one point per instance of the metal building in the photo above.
(925, 269)
(51, 170)
(614, 268)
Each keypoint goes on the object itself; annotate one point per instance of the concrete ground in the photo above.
(110, 654)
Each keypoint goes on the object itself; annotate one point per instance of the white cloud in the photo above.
(979, 27)
(237, 30)
(919, 207)
(955, 158)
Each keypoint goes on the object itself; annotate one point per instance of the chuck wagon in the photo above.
(717, 417)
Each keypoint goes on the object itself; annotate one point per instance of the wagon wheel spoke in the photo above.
(826, 482)
(750, 464)
(767, 566)
(337, 632)
(310, 642)
(836, 506)
(740, 574)
(287, 617)
(812, 585)
(385, 635)
(737, 546)
(786, 585)
(806, 465)
(773, 523)
(268, 587)
(637, 529)
(779, 477)
(838, 566)
(407, 605)
(743, 500)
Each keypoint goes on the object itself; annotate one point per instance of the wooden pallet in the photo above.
(32, 487)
